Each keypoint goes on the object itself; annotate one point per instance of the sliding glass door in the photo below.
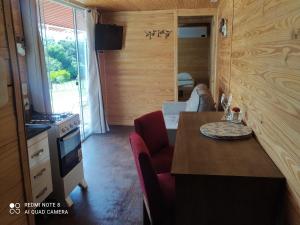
(65, 42)
(81, 46)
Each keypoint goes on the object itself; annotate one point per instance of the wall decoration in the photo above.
(158, 33)
(223, 27)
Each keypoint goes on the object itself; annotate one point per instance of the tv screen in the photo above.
(108, 37)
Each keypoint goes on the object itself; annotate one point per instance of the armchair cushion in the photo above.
(200, 101)
(162, 161)
(206, 102)
(171, 121)
(173, 108)
(193, 103)
(151, 127)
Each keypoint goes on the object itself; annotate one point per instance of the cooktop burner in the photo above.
(40, 118)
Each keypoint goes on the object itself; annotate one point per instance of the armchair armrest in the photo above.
(173, 108)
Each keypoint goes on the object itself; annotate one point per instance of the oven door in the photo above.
(69, 151)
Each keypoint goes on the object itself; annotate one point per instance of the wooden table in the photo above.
(223, 182)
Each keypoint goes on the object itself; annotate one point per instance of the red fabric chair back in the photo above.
(151, 127)
(148, 178)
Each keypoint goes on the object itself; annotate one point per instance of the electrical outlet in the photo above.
(26, 103)
(24, 89)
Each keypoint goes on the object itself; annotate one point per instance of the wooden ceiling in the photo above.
(140, 5)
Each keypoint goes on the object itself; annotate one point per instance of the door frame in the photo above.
(16, 84)
(213, 48)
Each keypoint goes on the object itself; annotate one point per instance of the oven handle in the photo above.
(71, 135)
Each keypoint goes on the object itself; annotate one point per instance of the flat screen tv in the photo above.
(108, 37)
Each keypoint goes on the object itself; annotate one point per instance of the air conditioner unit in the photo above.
(192, 32)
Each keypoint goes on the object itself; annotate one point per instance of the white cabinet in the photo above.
(40, 167)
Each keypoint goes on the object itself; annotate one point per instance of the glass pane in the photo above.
(82, 68)
(64, 38)
(69, 143)
(61, 57)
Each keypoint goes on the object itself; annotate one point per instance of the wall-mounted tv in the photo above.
(108, 37)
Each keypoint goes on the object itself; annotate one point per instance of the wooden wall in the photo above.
(14, 169)
(140, 77)
(138, 5)
(18, 30)
(225, 10)
(193, 57)
(259, 64)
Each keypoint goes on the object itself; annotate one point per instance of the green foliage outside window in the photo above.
(61, 63)
(60, 76)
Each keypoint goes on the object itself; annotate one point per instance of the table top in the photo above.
(196, 154)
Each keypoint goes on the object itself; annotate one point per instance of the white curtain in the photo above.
(98, 120)
(35, 58)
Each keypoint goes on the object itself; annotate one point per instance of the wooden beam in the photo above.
(197, 12)
(175, 55)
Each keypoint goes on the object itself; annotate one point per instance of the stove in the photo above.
(65, 153)
(63, 122)
(41, 118)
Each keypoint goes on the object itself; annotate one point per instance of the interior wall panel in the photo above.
(225, 10)
(193, 57)
(14, 179)
(138, 5)
(140, 77)
(265, 81)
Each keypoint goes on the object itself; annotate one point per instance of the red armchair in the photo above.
(151, 127)
(158, 189)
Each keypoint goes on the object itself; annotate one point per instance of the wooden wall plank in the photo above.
(134, 5)
(14, 167)
(11, 176)
(176, 22)
(15, 195)
(3, 41)
(225, 10)
(197, 12)
(4, 54)
(11, 173)
(5, 67)
(193, 57)
(8, 121)
(140, 77)
(264, 79)
(18, 30)
(283, 27)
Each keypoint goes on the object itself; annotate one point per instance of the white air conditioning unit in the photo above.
(192, 32)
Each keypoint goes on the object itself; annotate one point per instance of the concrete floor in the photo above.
(113, 196)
